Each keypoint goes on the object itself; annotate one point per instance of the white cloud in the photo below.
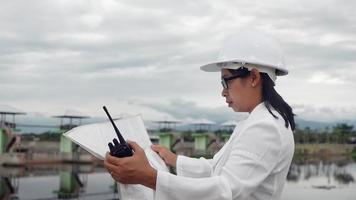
(325, 114)
(324, 78)
(60, 54)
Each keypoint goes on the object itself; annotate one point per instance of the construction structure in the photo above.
(165, 132)
(8, 140)
(228, 128)
(70, 183)
(201, 135)
(8, 128)
(68, 121)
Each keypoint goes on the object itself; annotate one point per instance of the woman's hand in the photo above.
(132, 170)
(169, 157)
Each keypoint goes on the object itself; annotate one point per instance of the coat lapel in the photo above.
(221, 157)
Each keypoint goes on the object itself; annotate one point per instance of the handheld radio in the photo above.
(118, 149)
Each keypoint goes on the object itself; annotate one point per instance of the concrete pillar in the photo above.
(201, 141)
(68, 187)
(3, 141)
(66, 145)
(166, 140)
(6, 188)
(3, 189)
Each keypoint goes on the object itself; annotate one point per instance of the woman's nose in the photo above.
(224, 92)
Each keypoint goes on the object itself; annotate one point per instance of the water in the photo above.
(320, 180)
(66, 181)
(306, 180)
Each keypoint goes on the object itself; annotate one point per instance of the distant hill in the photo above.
(48, 123)
(38, 119)
(320, 125)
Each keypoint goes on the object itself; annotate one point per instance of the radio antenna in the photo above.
(121, 139)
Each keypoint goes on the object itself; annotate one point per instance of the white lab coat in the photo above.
(253, 164)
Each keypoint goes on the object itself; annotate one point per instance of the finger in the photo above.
(112, 159)
(116, 177)
(110, 167)
(154, 147)
(134, 146)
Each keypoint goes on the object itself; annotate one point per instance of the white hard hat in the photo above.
(250, 49)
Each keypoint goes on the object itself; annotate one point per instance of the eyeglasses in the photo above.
(239, 74)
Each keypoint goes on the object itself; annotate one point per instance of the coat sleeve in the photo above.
(253, 156)
(193, 167)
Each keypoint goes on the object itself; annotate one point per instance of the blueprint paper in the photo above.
(95, 138)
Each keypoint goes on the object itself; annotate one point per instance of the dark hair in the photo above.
(272, 98)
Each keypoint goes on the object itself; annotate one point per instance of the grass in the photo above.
(328, 149)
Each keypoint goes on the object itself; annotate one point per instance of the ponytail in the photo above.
(272, 98)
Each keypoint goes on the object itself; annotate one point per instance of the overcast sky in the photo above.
(139, 56)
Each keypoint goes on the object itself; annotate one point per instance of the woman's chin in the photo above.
(236, 109)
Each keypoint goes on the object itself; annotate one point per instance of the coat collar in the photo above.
(260, 107)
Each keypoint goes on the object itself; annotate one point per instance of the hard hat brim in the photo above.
(217, 66)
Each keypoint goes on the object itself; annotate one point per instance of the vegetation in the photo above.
(353, 153)
(46, 136)
(339, 140)
(339, 134)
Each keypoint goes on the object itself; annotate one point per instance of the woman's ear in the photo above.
(255, 77)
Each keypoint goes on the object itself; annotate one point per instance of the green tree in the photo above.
(343, 131)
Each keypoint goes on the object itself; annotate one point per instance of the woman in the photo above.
(255, 161)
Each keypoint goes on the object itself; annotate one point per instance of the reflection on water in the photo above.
(306, 180)
(57, 182)
(311, 179)
(331, 175)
